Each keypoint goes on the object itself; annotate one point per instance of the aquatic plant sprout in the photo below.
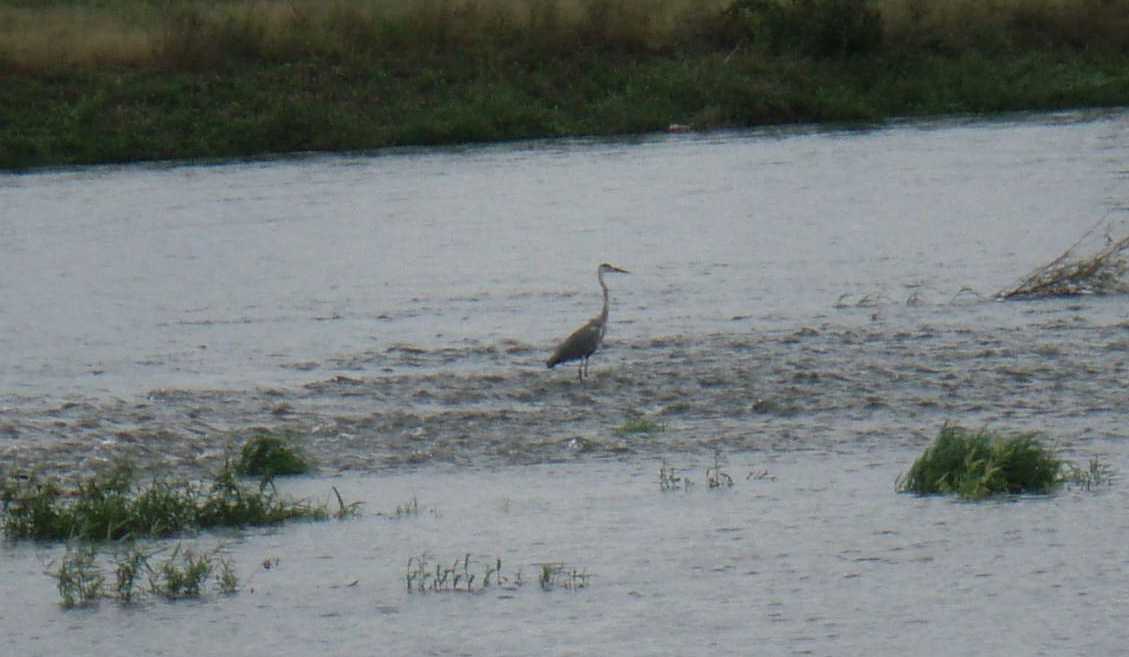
(78, 578)
(183, 574)
(425, 574)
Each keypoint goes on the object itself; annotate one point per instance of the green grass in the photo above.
(122, 80)
(116, 505)
(559, 575)
(715, 476)
(638, 425)
(979, 464)
(268, 455)
(466, 575)
(78, 578)
(410, 508)
(669, 479)
(183, 574)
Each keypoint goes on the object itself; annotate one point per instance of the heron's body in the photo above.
(585, 340)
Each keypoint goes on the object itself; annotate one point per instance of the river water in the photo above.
(810, 303)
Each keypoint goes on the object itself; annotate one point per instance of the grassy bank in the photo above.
(86, 81)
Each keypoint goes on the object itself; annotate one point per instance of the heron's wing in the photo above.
(581, 343)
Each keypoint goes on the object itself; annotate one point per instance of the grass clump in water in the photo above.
(268, 455)
(184, 574)
(1095, 474)
(228, 503)
(557, 574)
(462, 576)
(78, 577)
(465, 575)
(669, 479)
(715, 476)
(979, 464)
(115, 505)
(639, 425)
(410, 508)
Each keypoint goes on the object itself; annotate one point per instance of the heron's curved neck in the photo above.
(604, 287)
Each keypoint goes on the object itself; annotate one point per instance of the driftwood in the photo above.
(1104, 271)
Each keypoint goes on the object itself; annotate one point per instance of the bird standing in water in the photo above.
(585, 340)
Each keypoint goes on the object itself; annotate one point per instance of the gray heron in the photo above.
(585, 340)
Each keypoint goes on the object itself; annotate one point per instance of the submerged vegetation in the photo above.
(465, 575)
(84, 81)
(183, 574)
(409, 508)
(715, 476)
(639, 425)
(978, 464)
(78, 578)
(559, 575)
(670, 480)
(116, 505)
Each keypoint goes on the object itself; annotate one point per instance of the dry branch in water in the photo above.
(1104, 271)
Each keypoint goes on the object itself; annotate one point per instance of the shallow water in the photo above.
(122, 280)
(816, 285)
(815, 303)
(818, 557)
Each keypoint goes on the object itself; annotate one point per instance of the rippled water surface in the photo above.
(818, 557)
(810, 304)
(120, 280)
